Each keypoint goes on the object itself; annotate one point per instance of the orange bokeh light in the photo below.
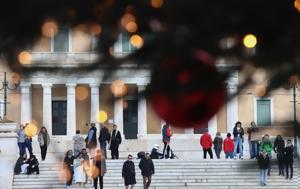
(297, 5)
(63, 173)
(15, 77)
(131, 27)
(49, 28)
(126, 18)
(136, 41)
(118, 88)
(260, 90)
(81, 93)
(25, 58)
(96, 29)
(157, 3)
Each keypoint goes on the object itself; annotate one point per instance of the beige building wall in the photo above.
(106, 99)
(153, 121)
(222, 119)
(81, 40)
(245, 108)
(42, 45)
(37, 105)
(83, 108)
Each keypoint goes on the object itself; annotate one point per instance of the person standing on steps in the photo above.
(100, 164)
(289, 159)
(21, 140)
(147, 169)
(263, 163)
(79, 173)
(115, 141)
(91, 139)
(206, 143)
(267, 146)
(166, 138)
(69, 167)
(128, 173)
(78, 143)
(218, 142)
(28, 142)
(104, 139)
(44, 141)
(279, 149)
(238, 134)
(228, 146)
(251, 140)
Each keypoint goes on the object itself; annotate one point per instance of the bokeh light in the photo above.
(126, 18)
(260, 90)
(297, 5)
(157, 3)
(81, 93)
(101, 116)
(118, 88)
(96, 29)
(131, 27)
(94, 171)
(15, 77)
(31, 130)
(25, 57)
(63, 173)
(250, 41)
(49, 28)
(136, 41)
(294, 80)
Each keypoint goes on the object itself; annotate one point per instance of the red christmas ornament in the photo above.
(186, 91)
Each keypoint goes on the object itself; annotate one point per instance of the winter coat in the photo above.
(206, 141)
(78, 143)
(279, 146)
(266, 145)
(104, 135)
(19, 163)
(218, 142)
(41, 139)
(128, 172)
(115, 140)
(100, 163)
(263, 163)
(228, 145)
(155, 154)
(68, 163)
(164, 133)
(289, 154)
(33, 165)
(237, 132)
(93, 143)
(147, 167)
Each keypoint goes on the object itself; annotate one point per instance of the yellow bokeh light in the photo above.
(131, 27)
(81, 93)
(49, 28)
(25, 57)
(157, 3)
(30, 130)
(136, 41)
(297, 5)
(101, 116)
(249, 41)
(118, 88)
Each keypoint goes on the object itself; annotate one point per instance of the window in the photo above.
(263, 112)
(126, 46)
(61, 40)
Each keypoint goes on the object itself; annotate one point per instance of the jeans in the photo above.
(146, 181)
(209, 152)
(21, 146)
(103, 148)
(263, 177)
(253, 149)
(280, 161)
(238, 143)
(96, 182)
(166, 146)
(287, 166)
(28, 145)
(229, 154)
(218, 152)
(43, 151)
(270, 164)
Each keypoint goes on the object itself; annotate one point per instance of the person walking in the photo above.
(263, 163)
(288, 158)
(91, 139)
(228, 146)
(69, 167)
(128, 172)
(78, 143)
(166, 138)
(206, 143)
(104, 139)
(21, 140)
(218, 142)
(252, 141)
(279, 149)
(79, 173)
(44, 141)
(147, 169)
(99, 163)
(115, 141)
(238, 134)
(267, 146)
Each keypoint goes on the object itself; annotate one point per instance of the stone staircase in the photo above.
(208, 174)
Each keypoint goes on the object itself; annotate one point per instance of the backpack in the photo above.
(169, 132)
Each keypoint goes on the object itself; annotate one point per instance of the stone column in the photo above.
(71, 110)
(118, 115)
(95, 107)
(26, 114)
(47, 107)
(142, 113)
(232, 105)
(212, 126)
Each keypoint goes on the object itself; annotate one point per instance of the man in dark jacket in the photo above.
(33, 165)
(147, 168)
(279, 149)
(100, 164)
(91, 139)
(155, 154)
(263, 163)
(115, 141)
(238, 134)
(288, 158)
(104, 138)
(128, 172)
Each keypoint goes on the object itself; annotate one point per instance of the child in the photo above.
(228, 146)
(263, 163)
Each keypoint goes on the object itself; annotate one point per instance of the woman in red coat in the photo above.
(206, 143)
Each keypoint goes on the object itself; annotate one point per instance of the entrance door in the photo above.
(130, 119)
(201, 128)
(59, 117)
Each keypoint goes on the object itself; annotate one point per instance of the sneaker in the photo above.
(234, 158)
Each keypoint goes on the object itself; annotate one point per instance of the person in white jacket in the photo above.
(44, 141)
